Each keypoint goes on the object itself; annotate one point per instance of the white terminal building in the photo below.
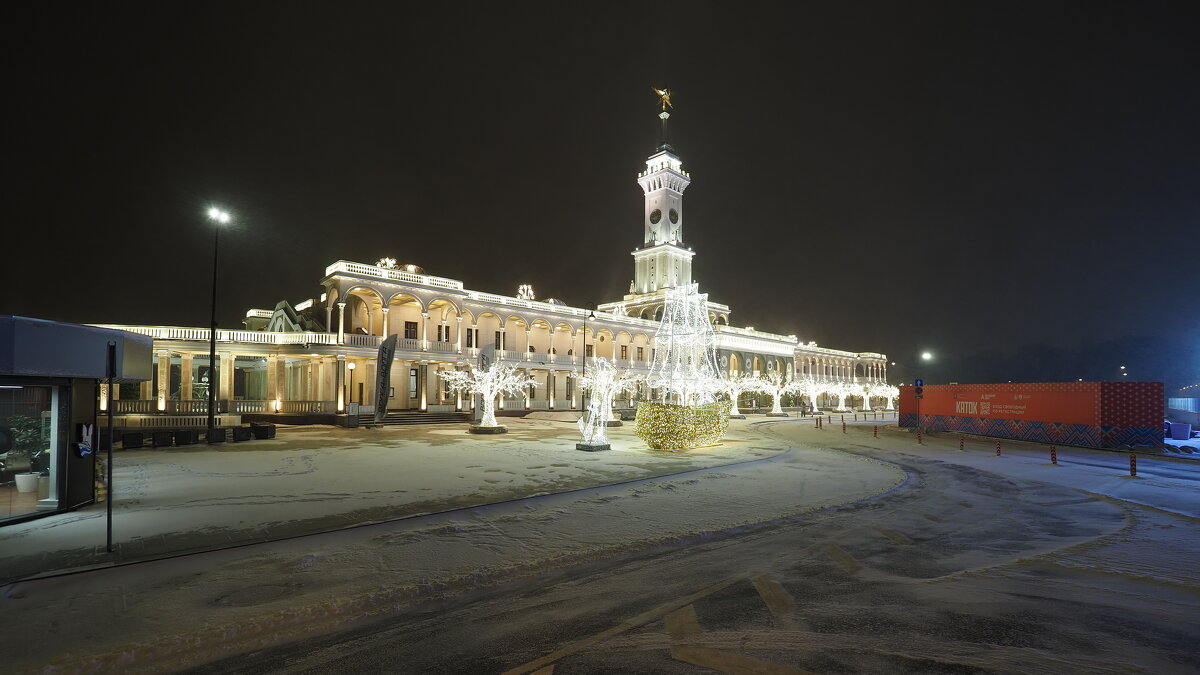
(318, 356)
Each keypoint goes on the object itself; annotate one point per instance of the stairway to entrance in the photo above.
(396, 419)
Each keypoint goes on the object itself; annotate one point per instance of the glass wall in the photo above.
(28, 425)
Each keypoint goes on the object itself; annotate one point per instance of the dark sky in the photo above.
(960, 177)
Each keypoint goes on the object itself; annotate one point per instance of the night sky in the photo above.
(974, 179)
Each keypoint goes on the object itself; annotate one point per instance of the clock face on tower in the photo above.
(655, 216)
(674, 216)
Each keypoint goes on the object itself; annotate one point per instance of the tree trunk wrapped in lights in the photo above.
(490, 381)
(604, 382)
(685, 369)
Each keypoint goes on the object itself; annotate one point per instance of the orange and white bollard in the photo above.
(843, 419)
(843, 426)
(919, 438)
(961, 441)
(997, 448)
(876, 431)
(1132, 464)
(1053, 455)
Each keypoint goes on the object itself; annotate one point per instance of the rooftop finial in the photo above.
(664, 97)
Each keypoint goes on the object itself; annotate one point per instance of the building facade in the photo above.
(318, 355)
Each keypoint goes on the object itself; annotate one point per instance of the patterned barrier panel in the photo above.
(1092, 414)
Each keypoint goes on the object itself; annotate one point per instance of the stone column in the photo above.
(339, 382)
(528, 337)
(164, 379)
(458, 406)
(370, 320)
(341, 323)
(328, 318)
(424, 334)
(224, 377)
(458, 345)
(272, 378)
(500, 351)
(386, 324)
(550, 383)
(423, 385)
(185, 377)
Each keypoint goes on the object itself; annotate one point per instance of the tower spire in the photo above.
(664, 137)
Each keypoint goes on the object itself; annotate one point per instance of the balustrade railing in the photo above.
(357, 340)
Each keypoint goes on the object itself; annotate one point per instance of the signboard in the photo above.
(383, 376)
(1097, 414)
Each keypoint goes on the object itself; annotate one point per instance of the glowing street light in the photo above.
(351, 366)
(926, 356)
(220, 218)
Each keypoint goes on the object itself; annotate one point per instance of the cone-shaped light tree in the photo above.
(490, 381)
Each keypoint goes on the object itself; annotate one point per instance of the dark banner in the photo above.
(383, 376)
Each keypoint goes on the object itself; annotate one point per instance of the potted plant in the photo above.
(27, 445)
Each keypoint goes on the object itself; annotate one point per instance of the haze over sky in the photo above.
(961, 177)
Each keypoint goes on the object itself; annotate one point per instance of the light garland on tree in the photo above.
(604, 382)
(885, 390)
(734, 386)
(685, 354)
(775, 384)
(685, 369)
(811, 388)
(491, 381)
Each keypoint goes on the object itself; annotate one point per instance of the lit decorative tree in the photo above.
(810, 388)
(685, 349)
(734, 386)
(490, 381)
(841, 390)
(604, 382)
(775, 384)
(685, 368)
(884, 390)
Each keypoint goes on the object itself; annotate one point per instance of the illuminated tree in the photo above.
(810, 388)
(489, 382)
(775, 384)
(685, 349)
(734, 386)
(604, 382)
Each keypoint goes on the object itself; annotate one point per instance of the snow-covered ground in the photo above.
(318, 478)
(167, 614)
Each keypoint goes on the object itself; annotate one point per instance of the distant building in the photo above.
(318, 356)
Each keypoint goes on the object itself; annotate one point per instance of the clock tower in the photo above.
(662, 261)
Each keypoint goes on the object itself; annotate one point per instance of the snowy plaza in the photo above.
(434, 515)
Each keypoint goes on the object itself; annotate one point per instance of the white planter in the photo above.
(27, 482)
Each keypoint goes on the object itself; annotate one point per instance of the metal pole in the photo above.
(110, 370)
(212, 342)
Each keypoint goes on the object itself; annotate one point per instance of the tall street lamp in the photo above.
(219, 218)
(591, 315)
(350, 365)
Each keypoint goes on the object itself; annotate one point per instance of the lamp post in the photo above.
(219, 218)
(351, 366)
(591, 315)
